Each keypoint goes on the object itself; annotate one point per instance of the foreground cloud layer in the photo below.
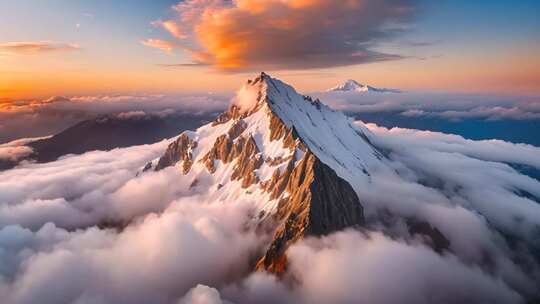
(176, 244)
(298, 34)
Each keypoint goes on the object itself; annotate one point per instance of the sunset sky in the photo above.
(75, 47)
(269, 151)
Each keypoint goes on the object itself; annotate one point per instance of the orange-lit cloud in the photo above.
(33, 47)
(172, 27)
(166, 46)
(288, 34)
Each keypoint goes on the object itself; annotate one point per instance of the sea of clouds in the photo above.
(90, 229)
(444, 105)
(17, 149)
(37, 118)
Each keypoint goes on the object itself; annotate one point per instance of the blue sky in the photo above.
(444, 37)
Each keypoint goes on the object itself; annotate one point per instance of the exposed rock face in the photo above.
(237, 128)
(225, 149)
(248, 161)
(278, 129)
(278, 183)
(232, 113)
(179, 150)
(320, 202)
(244, 151)
(222, 150)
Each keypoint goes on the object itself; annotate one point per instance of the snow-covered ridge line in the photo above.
(334, 138)
(331, 136)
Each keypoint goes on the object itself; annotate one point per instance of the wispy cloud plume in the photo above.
(172, 27)
(36, 47)
(166, 46)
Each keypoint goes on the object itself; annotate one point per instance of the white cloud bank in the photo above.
(445, 105)
(17, 149)
(172, 244)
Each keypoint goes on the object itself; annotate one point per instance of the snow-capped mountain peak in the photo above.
(299, 159)
(353, 86)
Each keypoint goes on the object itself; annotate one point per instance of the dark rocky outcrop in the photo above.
(320, 202)
(225, 148)
(7, 164)
(243, 151)
(278, 182)
(179, 150)
(232, 113)
(236, 129)
(222, 150)
(247, 162)
(434, 236)
(278, 130)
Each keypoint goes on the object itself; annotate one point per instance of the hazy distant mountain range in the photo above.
(106, 133)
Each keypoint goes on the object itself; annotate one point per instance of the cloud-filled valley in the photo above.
(173, 243)
(442, 105)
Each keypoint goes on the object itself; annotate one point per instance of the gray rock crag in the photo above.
(179, 150)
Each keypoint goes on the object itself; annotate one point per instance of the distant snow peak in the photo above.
(350, 85)
(353, 86)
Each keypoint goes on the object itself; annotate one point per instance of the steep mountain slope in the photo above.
(353, 86)
(300, 159)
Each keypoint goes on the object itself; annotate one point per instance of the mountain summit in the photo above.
(353, 86)
(294, 156)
